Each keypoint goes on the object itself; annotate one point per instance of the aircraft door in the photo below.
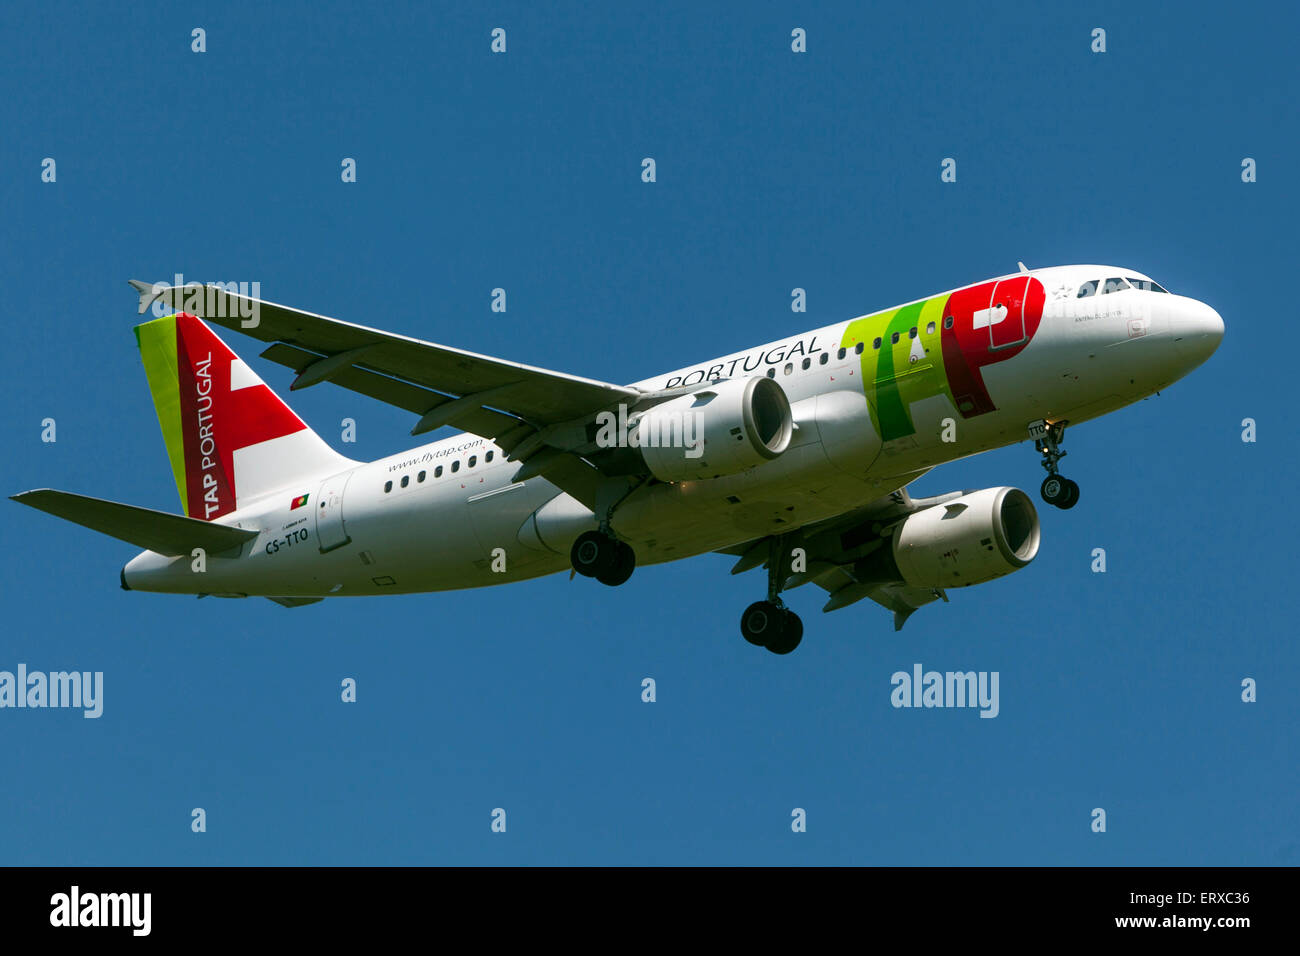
(330, 533)
(1006, 313)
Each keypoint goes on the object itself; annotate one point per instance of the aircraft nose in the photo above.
(1198, 330)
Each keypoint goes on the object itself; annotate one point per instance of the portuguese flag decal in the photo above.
(298, 502)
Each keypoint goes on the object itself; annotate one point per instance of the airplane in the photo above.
(795, 455)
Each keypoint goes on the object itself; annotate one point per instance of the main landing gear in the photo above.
(599, 555)
(1056, 488)
(770, 623)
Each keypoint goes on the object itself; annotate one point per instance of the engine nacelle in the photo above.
(719, 429)
(969, 540)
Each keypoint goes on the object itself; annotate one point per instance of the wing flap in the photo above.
(404, 395)
(475, 419)
(902, 600)
(167, 534)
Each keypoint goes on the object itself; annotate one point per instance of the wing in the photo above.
(523, 409)
(837, 553)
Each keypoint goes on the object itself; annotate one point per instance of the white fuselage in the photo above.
(411, 523)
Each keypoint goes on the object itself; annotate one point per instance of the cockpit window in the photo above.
(1113, 285)
(1146, 285)
(1087, 289)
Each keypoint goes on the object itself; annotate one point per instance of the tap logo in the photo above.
(211, 407)
(939, 346)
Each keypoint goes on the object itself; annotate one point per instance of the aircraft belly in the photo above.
(669, 521)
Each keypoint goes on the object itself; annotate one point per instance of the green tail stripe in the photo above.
(157, 341)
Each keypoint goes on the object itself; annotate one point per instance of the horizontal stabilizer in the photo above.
(167, 534)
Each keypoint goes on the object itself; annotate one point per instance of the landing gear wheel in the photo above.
(623, 566)
(760, 621)
(1071, 495)
(790, 635)
(603, 557)
(766, 624)
(591, 553)
(1060, 491)
(1054, 489)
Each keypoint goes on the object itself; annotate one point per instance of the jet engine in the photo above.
(969, 540)
(721, 428)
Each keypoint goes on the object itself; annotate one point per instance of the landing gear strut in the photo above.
(1056, 488)
(599, 555)
(770, 623)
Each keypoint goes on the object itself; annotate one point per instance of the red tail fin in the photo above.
(229, 437)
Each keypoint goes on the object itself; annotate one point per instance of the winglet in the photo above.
(149, 293)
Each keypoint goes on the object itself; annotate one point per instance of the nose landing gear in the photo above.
(1056, 488)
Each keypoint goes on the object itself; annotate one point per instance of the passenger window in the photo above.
(1114, 285)
(842, 353)
(437, 472)
(406, 480)
(455, 466)
(388, 486)
(1087, 289)
(487, 457)
(947, 321)
(875, 344)
(912, 333)
(859, 347)
(420, 477)
(893, 339)
(473, 460)
(807, 362)
(789, 367)
(929, 329)
(826, 356)
(771, 373)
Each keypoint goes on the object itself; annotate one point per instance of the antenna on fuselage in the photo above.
(1022, 268)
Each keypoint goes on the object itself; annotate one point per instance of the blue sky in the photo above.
(775, 170)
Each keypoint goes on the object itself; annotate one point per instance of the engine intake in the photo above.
(969, 540)
(720, 429)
